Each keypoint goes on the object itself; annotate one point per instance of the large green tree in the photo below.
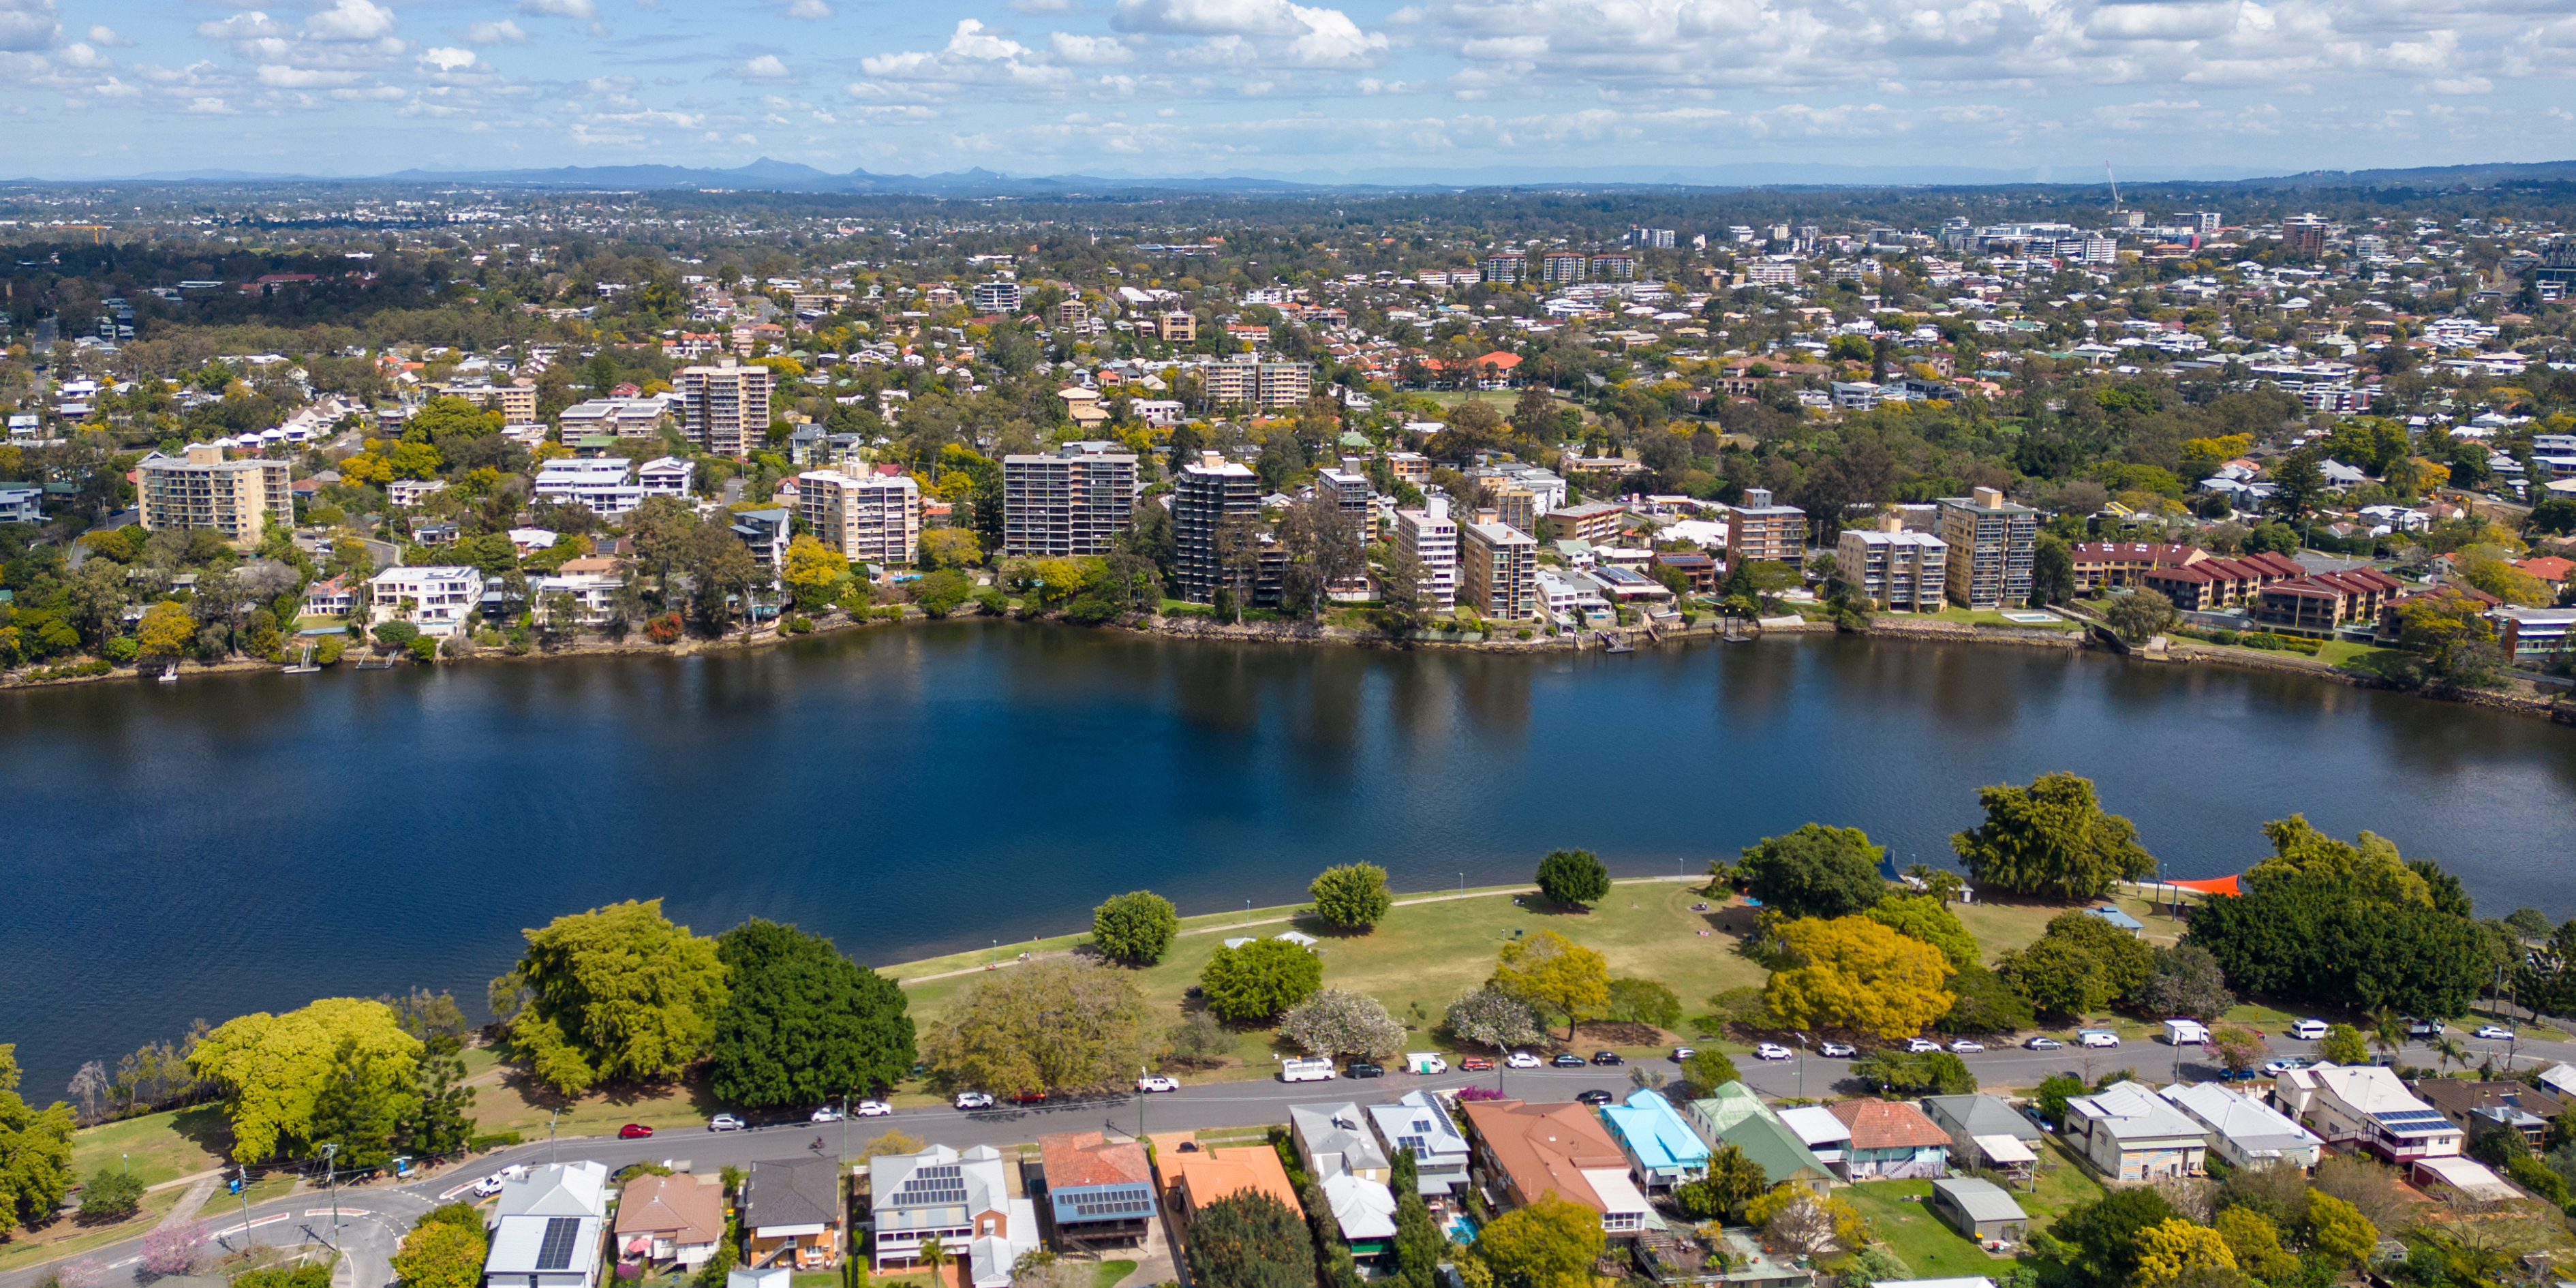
(1250, 1240)
(1352, 896)
(1047, 1026)
(1135, 928)
(1925, 917)
(1574, 878)
(1259, 980)
(1815, 871)
(615, 994)
(362, 1105)
(35, 1150)
(1551, 1243)
(2051, 839)
(2329, 940)
(274, 1069)
(803, 1023)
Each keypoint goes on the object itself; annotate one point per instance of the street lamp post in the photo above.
(331, 1177)
(247, 1232)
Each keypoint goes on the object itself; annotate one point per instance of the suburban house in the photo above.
(1978, 1209)
(2243, 1131)
(1734, 1114)
(1213, 1174)
(791, 1213)
(547, 1227)
(2480, 1107)
(1891, 1140)
(2366, 1105)
(1364, 1212)
(1823, 1134)
(434, 598)
(1334, 1140)
(1661, 1148)
(673, 1220)
(961, 1199)
(2129, 1133)
(1528, 1151)
(1099, 1188)
(1986, 1132)
(1421, 1123)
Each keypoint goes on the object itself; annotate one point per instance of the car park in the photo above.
(1475, 1064)
(1608, 1057)
(1364, 1069)
(2308, 1030)
(1595, 1097)
(826, 1114)
(1683, 1053)
(872, 1109)
(1157, 1082)
(2041, 1043)
(725, 1122)
(1966, 1046)
(1921, 1046)
(2494, 1033)
(974, 1100)
(634, 1131)
(1567, 1060)
(2098, 1038)
(1522, 1060)
(1839, 1050)
(1772, 1051)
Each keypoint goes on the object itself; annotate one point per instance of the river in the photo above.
(239, 843)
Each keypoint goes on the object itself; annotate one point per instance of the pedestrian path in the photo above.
(192, 1202)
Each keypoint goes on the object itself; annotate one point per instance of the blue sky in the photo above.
(1198, 86)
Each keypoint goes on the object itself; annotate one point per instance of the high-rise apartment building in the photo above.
(1204, 497)
(724, 409)
(1431, 537)
(1498, 570)
(200, 489)
(1560, 266)
(869, 518)
(2304, 234)
(1758, 529)
(997, 297)
(1896, 569)
(1350, 492)
(1075, 502)
(1990, 542)
(1242, 382)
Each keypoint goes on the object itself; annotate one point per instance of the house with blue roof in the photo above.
(1658, 1141)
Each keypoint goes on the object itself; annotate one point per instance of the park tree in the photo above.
(1984, 1004)
(1644, 1001)
(1550, 1243)
(2051, 839)
(35, 1150)
(1815, 871)
(440, 1117)
(803, 1023)
(2343, 1044)
(273, 1069)
(2186, 980)
(441, 1254)
(2141, 615)
(1574, 878)
(1550, 971)
(362, 1105)
(1047, 1026)
(1853, 973)
(112, 1195)
(2079, 965)
(2449, 643)
(1352, 896)
(1135, 928)
(1924, 917)
(1333, 1022)
(1261, 979)
(1250, 1240)
(1490, 1017)
(2368, 868)
(615, 994)
(2326, 940)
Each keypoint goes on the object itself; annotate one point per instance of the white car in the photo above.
(724, 1122)
(1965, 1046)
(1157, 1082)
(2495, 1032)
(2099, 1038)
(872, 1109)
(488, 1186)
(826, 1114)
(2286, 1063)
(1921, 1046)
(1772, 1051)
(1842, 1050)
(1522, 1060)
(1683, 1053)
(974, 1100)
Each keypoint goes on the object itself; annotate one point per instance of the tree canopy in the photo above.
(1550, 1243)
(1047, 1026)
(1352, 896)
(1574, 878)
(1250, 1240)
(275, 1068)
(2051, 839)
(616, 994)
(35, 1150)
(1853, 973)
(1816, 871)
(1333, 1022)
(803, 1023)
(2323, 939)
(1549, 970)
(1135, 928)
(1490, 1017)
(1921, 916)
(1259, 980)
(2080, 964)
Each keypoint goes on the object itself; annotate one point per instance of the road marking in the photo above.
(338, 1212)
(266, 1220)
(460, 1189)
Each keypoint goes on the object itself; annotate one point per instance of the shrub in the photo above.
(121, 649)
(1522, 633)
(330, 650)
(1352, 896)
(498, 1140)
(424, 649)
(665, 629)
(110, 1196)
(799, 624)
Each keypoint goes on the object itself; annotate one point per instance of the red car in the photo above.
(1475, 1064)
(634, 1131)
(1029, 1098)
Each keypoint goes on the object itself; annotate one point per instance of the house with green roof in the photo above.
(1734, 1114)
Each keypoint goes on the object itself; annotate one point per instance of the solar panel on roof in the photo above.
(555, 1252)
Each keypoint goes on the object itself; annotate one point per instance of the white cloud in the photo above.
(447, 59)
(1089, 49)
(2464, 85)
(583, 9)
(28, 24)
(809, 10)
(1314, 36)
(279, 76)
(208, 105)
(765, 69)
(105, 37)
(1046, 6)
(504, 32)
(83, 57)
(351, 20)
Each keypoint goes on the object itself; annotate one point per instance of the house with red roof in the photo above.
(1891, 1140)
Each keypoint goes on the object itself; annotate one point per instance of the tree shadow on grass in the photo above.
(205, 1128)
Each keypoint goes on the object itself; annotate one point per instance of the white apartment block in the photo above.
(403, 494)
(596, 483)
(724, 409)
(873, 518)
(615, 417)
(1072, 503)
(1243, 383)
(592, 594)
(1498, 570)
(1431, 536)
(1896, 569)
(435, 598)
(201, 489)
(666, 476)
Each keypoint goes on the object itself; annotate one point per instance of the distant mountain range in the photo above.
(768, 175)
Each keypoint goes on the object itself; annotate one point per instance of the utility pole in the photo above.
(244, 1191)
(331, 1177)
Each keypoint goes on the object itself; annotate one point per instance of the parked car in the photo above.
(1522, 1060)
(2308, 1030)
(1772, 1051)
(872, 1109)
(1157, 1082)
(1921, 1046)
(1476, 1064)
(2037, 1043)
(1567, 1060)
(1028, 1097)
(1967, 1046)
(488, 1186)
(974, 1100)
(1364, 1069)
(2032, 1113)
(1838, 1050)
(634, 1131)
(1683, 1053)
(2287, 1063)
(1596, 1096)
(2098, 1038)
(826, 1114)
(1608, 1057)
(2424, 1028)
(725, 1122)
(2495, 1032)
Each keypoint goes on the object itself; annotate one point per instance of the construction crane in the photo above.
(2116, 207)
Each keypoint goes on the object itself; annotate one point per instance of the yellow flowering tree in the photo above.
(1854, 973)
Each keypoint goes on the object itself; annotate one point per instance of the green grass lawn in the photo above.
(2360, 657)
(1109, 1273)
(1904, 1222)
(1965, 617)
(70, 1237)
(156, 1147)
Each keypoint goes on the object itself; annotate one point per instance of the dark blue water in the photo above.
(242, 843)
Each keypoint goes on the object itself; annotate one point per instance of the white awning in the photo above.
(2004, 1149)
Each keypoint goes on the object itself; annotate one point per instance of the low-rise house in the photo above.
(1978, 1209)
(331, 598)
(2317, 604)
(2129, 1133)
(1333, 1140)
(2368, 1107)
(435, 598)
(2480, 1107)
(1212, 1174)
(2466, 1175)
(1891, 1140)
(1825, 1135)
(791, 1213)
(1419, 1122)
(1770, 1144)
(1099, 1187)
(2243, 1131)
(1663, 1151)
(962, 1199)
(674, 1220)
(1986, 1132)
(1527, 1151)
(1364, 1212)
(597, 484)
(22, 503)
(547, 1227)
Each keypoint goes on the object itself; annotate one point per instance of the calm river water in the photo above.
(241, 843)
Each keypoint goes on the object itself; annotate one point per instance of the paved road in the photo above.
(373, 1217)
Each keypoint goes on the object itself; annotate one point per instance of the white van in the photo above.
(1424, 1062)
(2098, 1038)
(2186, 1033)
(1316, 1070)
(2308, 1030)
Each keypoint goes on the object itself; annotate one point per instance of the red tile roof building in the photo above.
(2317, 605)
(2214, 583)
